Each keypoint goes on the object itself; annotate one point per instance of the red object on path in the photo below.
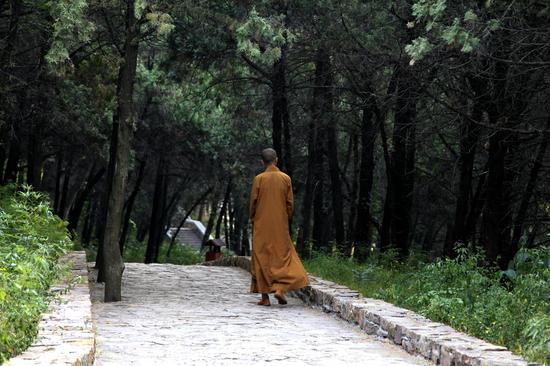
(214, 249)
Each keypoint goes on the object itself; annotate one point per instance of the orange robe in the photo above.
(275, 265)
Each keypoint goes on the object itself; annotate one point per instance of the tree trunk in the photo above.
(82, 196)
(478, 203)
(528, 192)
(171, 207)
(172, 204)
(469, 136)
(200, 215)
(363, 227)
(320, 214)
(9, 41)
(245, 243)
(337, 198)
(160, 234)
(354, 189)
(12, 164)
(155, 224)
(226, 228)
(324, 83)
(129, 206)
(182, 222)
(496, 221)
(280, 118)
(229, 224)
(103, 207)
(239, 221)
(11, 36)
(114, 265)
(58, 175)
(211, 221)
(496, 214)
(34, 156)
(89, 223)
(403, 162)
(385, 232)
(65, 188)
(223, 210)
(142, 228)
(3, 155)
(305, 232)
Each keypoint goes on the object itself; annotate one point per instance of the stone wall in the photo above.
(233, 261)
(66, 335)
(435, 341)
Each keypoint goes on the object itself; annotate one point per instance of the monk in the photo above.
(275, 266)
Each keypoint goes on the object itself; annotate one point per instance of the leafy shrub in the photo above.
(31, 241)
(508, 308)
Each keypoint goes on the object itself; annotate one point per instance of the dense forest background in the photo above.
(406, 125)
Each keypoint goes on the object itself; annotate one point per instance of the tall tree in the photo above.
(123, 123)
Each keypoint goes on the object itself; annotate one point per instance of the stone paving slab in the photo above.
(65, 335)
(198, 315)
(416, 334)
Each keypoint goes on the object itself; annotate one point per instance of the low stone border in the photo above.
(233, 261)
(66, 335)
(416, 334)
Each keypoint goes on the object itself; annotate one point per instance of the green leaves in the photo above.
(493, 24)
(71, 28)
(430, 11)
(419, 48)
(461, 33)
(139, 8)
(161, 22)
(537, 336)
(470, 16)
(457, 36)
(261, 39)
(31, 241)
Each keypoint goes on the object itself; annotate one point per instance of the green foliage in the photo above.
(456, 35)
(139, 8)
(430, 11)
(158, 22)
(442, 25)
(507, 309)
(261, 38)
(493, 24)
(31, 241)
(470, 16)
(181, 254)
(418, 48)
(71, 29)
(537, 336)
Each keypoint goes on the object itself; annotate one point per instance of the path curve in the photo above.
(198, 315)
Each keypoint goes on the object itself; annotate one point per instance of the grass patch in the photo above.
(31, 241)
(509, 308)
(181, 254)
(134, 252)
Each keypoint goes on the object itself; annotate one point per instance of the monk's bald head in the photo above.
(269, 156)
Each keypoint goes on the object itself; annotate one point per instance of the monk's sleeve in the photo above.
(254, 198)
(289, 200)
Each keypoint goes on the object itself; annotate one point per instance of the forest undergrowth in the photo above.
(509, 308)
(31, 241)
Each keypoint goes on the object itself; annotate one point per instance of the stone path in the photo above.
(197, 315)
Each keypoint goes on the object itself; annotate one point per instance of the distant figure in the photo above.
(275, 266)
